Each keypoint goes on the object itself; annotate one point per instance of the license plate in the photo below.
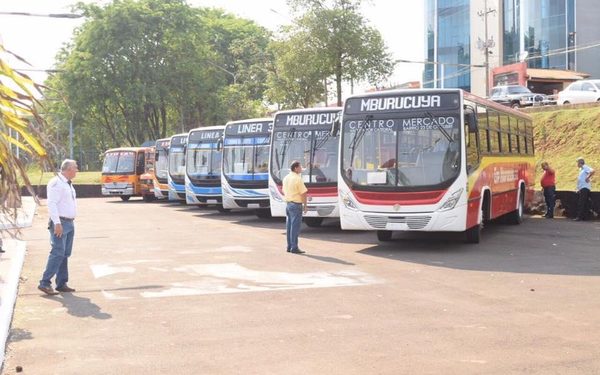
(213, 201)
(253, 205)
(396, 226)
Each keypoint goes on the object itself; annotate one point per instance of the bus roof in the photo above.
(309, 110)
(207, 128)
(133, 149)
(261, 119)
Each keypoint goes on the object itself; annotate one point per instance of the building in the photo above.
(464, 37)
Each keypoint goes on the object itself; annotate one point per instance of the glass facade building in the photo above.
(448, 43)
(539, 31)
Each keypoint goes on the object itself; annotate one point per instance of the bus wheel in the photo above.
(263, 213)
(313, 222)
(148, 198)
(516, 217)
(384, 235)
(473, 235)
(125, 198)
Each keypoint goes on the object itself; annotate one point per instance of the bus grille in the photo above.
(321, 210)
(413, 222)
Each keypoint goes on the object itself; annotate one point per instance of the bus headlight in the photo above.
(275, 194)
(348, 202)
(451, 202)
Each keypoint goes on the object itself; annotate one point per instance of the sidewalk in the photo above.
(11, 262)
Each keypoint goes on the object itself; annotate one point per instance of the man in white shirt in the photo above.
(62, 208)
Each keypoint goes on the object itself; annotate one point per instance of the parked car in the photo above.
(586, 91)
(517, 96)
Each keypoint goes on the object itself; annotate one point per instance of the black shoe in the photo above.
(577, 219)
(297, 251)
(65, 289)
(2, 251)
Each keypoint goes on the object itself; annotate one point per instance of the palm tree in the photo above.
(18, 113)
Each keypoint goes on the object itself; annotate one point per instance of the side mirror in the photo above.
(335, 127)
(471, 119)
(220, 144)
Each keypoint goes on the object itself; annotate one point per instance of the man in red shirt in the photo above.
(548, 183)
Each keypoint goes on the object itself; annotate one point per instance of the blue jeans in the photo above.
(550, 198)
(293, 212)
(58, 260)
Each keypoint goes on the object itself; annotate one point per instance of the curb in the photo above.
(9, 288)
(24, 217)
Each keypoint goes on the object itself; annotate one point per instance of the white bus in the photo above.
(203, 166)
(305, 135)
(160, 178)
(245, 181)
(432, 160)
(176, 175)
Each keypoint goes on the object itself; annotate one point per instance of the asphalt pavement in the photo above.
(166, 288)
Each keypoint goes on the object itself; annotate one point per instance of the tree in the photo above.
(350, 48)
(297, 78)
(18, 112)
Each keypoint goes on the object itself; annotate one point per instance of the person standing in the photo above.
(548, 183)
(584, 186)
(294, 192)
(62, 208)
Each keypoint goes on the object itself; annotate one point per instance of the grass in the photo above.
(41, 178)
(563, 135)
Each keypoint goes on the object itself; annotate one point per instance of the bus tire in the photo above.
(148, 198)
(473, 235)
(263, 213)
(125, 198)
(313, 222)
(516, 217)
(384, 235)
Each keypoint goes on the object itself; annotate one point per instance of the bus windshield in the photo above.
(119, 162)
(203, 161)
(177, 163)
(421, 150)
(315, 149)
(246, 158)
(162, 164)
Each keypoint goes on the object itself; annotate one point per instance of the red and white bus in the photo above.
(432, 160)
(305, 135)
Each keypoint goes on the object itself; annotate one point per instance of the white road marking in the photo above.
(102, 270)
(233, 249)
(113, 296)
(234, 278)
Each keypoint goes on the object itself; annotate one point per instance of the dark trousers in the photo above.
(550, 198)
(583, 203)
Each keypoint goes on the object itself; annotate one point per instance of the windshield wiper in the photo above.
(286, 143)
(440, 128)
(358, 136)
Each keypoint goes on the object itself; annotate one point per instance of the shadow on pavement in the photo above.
(80, 307)
(19, 334)
(328, 259)
(554, 247)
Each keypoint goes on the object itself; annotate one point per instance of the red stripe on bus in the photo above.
(325, 191)
(392, 198)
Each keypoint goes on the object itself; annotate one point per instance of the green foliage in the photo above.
(142, 70)
(554, 146)
(349, 49)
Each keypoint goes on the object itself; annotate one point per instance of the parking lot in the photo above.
(167, 288)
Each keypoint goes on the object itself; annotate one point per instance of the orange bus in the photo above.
(121, 172)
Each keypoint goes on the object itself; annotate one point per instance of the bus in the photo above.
(432, 160)
(121, 172)
(176, 175)
(305, 135)
(245, 165)
(203, 166)
(146, 179)
(160, 178)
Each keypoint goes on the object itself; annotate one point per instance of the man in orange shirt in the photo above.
(548, 183)
(294, 192)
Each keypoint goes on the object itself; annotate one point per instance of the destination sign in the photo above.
(401, 103)
(164, 144)
(306, 119)
(406, 124)
(179, 141)
(202, 135)
(249, 128)
(301, 134)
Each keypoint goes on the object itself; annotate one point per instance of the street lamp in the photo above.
(224, 70)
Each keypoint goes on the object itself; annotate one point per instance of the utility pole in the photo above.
(486, 44)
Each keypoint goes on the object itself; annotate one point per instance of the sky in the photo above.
(38, 39)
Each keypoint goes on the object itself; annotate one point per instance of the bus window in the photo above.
(472, 152)
(139, 168)
(494, 134)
